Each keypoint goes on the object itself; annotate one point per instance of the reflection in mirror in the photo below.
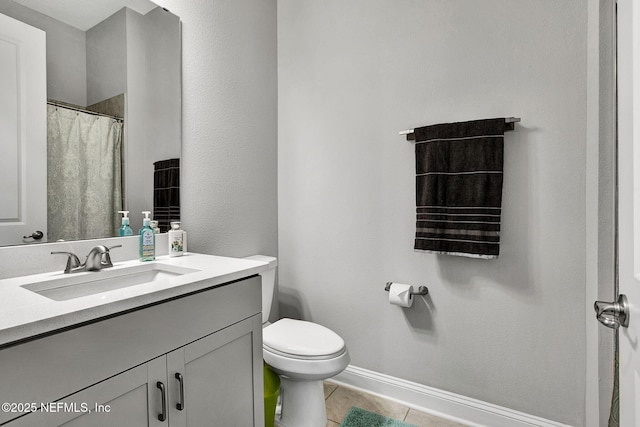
(84, 158)
(113, 72)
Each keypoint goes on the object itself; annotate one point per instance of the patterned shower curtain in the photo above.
(84, 178)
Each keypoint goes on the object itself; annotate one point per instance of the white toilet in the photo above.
(303, 354)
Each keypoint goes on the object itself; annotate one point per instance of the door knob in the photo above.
(36, 235)
(613, 314)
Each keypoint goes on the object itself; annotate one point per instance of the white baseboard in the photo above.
(455, 407)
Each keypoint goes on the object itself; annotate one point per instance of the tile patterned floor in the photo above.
(340, 398)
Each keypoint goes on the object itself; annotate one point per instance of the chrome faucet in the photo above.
(97, 259)
(94, 259)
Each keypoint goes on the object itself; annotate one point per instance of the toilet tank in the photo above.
(268, 283)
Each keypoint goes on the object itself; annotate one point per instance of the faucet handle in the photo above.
(106, 258)
(72, 261)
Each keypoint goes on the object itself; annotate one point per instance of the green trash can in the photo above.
(271, 392)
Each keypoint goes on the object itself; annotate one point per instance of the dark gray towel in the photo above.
(166, 192)
(459, 187)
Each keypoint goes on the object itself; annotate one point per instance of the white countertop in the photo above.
(25, 314)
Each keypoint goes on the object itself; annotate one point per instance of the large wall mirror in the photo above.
(112, 108)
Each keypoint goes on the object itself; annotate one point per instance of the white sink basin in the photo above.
(76, 285)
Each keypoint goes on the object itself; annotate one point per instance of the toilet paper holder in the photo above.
(422, 290)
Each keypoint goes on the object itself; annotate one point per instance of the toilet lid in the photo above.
(300, 338)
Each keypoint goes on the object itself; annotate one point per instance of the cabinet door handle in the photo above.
(180, 404)
(162, 415)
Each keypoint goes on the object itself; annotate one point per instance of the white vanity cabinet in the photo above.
(123, 369)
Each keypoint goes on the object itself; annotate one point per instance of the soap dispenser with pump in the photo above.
(147, 239)
(125, 229)
(177, 240)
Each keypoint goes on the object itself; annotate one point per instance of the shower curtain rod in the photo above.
(82, 110)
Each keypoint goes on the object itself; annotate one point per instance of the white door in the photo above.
(624, 314)
(23, 132)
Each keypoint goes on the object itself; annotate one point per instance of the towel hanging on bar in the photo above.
(459, 169)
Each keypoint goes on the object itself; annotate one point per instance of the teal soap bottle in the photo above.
(147, 239)
(125, 229)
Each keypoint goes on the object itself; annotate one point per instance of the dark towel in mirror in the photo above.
(459, 170)
(166, 193)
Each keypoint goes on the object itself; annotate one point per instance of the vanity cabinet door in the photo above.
(221, 373)
(128, 399)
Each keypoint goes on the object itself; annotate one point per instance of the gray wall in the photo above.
(107, 58)
(229, 190)
(163, 82)
(351, 75)
(138, 177)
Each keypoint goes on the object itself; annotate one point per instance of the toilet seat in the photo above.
(303, 350)
(299, 339)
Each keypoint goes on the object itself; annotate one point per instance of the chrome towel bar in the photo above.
(509, 122)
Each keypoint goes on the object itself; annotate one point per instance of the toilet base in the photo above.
(303, 404)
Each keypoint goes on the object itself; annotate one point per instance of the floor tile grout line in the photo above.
(406, 414)
(334, 390)
(327, 398)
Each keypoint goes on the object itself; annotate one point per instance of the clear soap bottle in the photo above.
(147, 239)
